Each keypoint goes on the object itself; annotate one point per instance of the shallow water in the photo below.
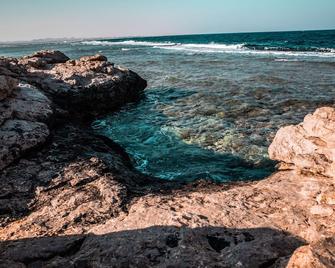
(213, 103)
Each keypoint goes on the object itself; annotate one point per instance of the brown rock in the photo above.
(91, 84)
(97, 57)
(49, 56)
(316, 255)
(310, 146)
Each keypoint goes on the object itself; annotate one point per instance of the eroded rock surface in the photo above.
(7, 85)
(23, 118)
(310, 146)
(76, 201)
(90, 84)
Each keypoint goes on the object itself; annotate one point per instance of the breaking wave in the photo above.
(242, 48)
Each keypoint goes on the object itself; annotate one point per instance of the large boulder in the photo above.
(90, 84)
(309, 146)
(43, 57)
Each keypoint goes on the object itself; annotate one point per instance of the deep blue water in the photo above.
(213, 102)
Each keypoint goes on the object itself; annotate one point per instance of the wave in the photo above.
(242, 48)
(127, 43)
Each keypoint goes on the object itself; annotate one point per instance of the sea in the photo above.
(214, 101)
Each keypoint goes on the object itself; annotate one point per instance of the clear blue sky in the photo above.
(30, 19)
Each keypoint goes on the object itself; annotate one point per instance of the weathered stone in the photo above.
(91, 84)
(97, 57)
(316, 255)
(49, 56)
(22, 122)
(309, 146)
(7, 85)
(17, 137)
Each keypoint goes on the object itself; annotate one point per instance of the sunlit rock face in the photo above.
(309, 146)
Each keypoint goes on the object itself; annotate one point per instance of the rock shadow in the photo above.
(157, 246)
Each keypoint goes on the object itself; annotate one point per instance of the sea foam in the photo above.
(214, 48)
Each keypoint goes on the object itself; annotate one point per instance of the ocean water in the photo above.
(214, 102)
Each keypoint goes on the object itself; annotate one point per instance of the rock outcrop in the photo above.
(310, 146)
(70, 198)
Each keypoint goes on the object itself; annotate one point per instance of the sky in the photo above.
(35, 19)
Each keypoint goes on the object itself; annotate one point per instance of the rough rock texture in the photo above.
(76, 201)
(310, 146)
(90, 84)
(22, 122)
(44, 57)
(7, 85)
(320, 254)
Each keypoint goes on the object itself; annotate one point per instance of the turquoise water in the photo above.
(213, 102)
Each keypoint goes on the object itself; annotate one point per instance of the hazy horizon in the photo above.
(38, 19)
(140, 36)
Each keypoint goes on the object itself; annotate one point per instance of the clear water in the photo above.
(213, 102)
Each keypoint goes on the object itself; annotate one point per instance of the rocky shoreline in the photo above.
(71, 198)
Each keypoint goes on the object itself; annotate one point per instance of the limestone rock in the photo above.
(309, 146)
(90, 84)
(320, 254)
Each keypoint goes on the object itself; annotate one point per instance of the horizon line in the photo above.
(148, 36)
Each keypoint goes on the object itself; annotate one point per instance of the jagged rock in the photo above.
(320, 255)
(97, 57)
(7, 85)
(48, 56)
(22, 122)
(90, 84)
(17, 137)
(164, 246)
(309, 146)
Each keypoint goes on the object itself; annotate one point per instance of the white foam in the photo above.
(241, 49)
(128, 43)
(211, 48)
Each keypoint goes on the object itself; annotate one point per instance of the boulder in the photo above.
(90, 84)
(48, 56)
(309, 146)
